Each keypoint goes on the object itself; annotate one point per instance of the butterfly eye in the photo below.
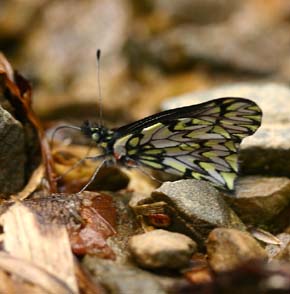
(96, 137)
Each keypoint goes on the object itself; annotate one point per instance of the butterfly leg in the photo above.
(133, 164)
(77, 164)
(94, 174)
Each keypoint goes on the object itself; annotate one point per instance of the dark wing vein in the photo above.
(199, 141)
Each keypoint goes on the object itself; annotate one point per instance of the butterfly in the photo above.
(199, 141)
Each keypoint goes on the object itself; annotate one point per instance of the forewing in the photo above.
(199, 141)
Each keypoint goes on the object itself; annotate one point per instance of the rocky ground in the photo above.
(132, 231)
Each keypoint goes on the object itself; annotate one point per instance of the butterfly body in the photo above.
(199, 141)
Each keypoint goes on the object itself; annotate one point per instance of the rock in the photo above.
(126, 227)
(122, 279)
(20, 131)
(205, 11)
(250, 277)
(228, 248)
(225, 40)
(162, 249)
(68, 73)
(282, 251)
(269, 146)
(266, 95)
(12, 154)
(252, 52)
(196, 208)
(259, 199)
(17, 16)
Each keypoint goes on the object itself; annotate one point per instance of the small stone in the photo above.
(228, 248)
(196, 208)
(122, 278)
(259, 199)
(282, 251)
(162, 249)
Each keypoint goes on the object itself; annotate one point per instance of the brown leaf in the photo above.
(20, 98)
(264, 236)
(75, 172)
(99, 218)
(90, 218)
(199, 271)
(31, 186)
(37, 251)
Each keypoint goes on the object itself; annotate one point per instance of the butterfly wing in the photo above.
(199, 141)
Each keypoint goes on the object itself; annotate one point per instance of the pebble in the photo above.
(196, 208)
(229, 248)
(162, 249)
(121, 278)
(259, 199)
(282, 251)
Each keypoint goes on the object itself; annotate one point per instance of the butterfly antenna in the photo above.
(62, 127)
(98, 55)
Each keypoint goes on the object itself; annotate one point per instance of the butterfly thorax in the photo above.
(100, 134)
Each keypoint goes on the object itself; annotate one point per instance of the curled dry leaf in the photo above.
(264, 236)
(33, 274)
(74, 171)
(37, 251)
(19, 96)
(33, 183)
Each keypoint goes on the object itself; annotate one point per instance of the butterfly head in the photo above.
(98, 133)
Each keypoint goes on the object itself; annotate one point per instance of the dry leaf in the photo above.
(20, 98)
(265, 236)
(38, 252)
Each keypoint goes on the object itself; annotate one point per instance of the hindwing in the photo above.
(199, 141)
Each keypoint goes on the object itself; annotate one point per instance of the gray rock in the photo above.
(12, 154)
(250, 49)
(122, 279)
(259, 199)
(273, 98)
(205, 11)
(162, 249)
(84, 26)
(196, 208)
(228, 248)
(269, 148)
(281, 251)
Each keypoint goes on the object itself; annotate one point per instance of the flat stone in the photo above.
(268, 149)
(122, 279)
(196, 208)
(162, 249)
(259, 199)
(229, 248)
(12, 154)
